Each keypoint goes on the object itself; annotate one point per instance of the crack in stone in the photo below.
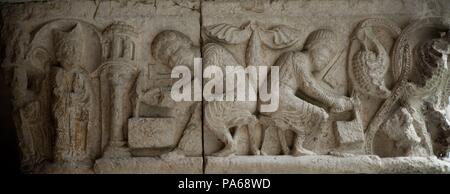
(97, 4)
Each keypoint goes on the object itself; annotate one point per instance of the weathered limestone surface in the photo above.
(363, 85)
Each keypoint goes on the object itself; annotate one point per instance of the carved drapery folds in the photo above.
(95, 95)
(29, 82)
(56, 98)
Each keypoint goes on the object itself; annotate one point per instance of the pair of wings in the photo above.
(276, 38)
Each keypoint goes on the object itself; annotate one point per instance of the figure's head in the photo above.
(69, 46)
(321, 44)
(173, 48)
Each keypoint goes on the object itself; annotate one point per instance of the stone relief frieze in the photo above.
(95, 95)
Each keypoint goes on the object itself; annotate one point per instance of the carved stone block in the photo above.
(349, 133)
(152, 132)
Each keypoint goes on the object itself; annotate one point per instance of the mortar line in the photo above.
(202, 118)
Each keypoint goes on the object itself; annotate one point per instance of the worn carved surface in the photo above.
(363, 85)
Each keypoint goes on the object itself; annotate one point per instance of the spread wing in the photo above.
(229, 34)
(279, 37)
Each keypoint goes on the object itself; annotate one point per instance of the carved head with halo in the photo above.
(69, 46)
